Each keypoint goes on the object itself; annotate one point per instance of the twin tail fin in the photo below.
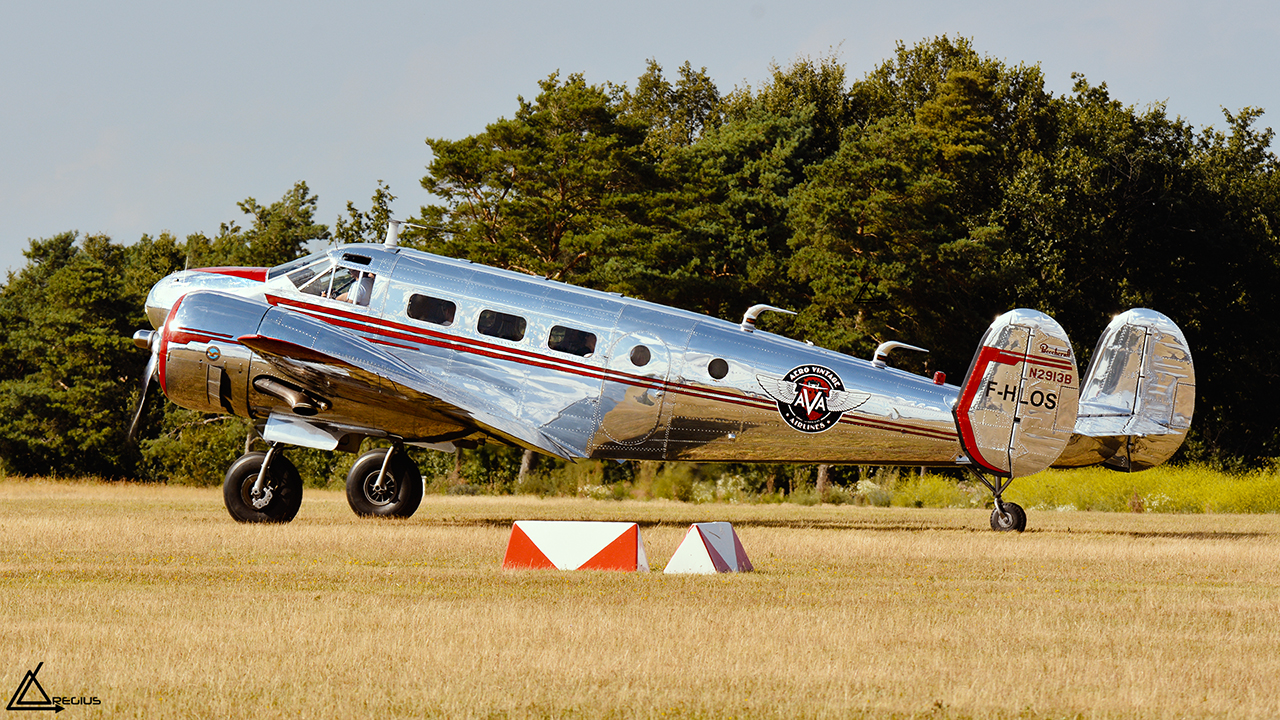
(1023, 406)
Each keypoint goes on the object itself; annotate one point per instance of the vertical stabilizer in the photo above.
(1017, 406)
(1138, 395)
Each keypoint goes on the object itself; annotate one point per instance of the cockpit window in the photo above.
(292, 265)
(303, 275)
(343, 284)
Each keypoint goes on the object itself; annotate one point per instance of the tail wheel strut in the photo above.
(1006, 516)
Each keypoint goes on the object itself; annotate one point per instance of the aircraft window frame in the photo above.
(357, 280)
(571, 341)
(302, 276)
(289, 267)
(447, 309)
(494, 323)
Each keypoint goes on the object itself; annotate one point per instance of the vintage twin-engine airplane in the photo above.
(381, 341)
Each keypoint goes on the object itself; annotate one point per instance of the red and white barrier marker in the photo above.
(710, 548)
(575, 545)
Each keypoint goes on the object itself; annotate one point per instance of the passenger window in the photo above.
(501, 325)
(640, 356)
(574, 342)
(718, 368)
(432, 310)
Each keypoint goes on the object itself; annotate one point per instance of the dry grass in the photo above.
(154, 601)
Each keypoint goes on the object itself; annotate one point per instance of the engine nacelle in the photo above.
(202, 367)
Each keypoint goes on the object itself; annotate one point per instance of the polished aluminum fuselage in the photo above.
(702, 392)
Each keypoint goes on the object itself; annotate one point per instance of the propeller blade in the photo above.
(152, 365)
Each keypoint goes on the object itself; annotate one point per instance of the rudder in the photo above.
(1138, 395)
(1017, 407)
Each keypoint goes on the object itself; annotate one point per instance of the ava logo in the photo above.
(811, 398)
(31, 696)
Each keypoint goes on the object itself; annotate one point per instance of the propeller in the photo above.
(147, 340)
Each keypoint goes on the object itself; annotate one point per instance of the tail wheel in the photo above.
(1014, 518)
(279, 498)
(399, 493)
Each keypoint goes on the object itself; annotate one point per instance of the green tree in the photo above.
(540, 192)
(70, 375)
(365, 227)
(713, 233)
(813, 89)
(278, 233)
(674, 115)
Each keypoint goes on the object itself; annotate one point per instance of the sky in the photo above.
(133, 117)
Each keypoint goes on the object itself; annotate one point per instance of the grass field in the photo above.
(153, 601)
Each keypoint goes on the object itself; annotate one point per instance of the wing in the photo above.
(845, 400)
(781, 390)
(326, 359)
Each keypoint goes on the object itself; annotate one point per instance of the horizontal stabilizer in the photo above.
(1138, 395)
(1017, 406)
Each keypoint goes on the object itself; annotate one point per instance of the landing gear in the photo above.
(1006, 516)
(385, 483)
(262, 488)
(1013, 518)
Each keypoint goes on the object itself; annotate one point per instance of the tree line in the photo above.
(915, 203)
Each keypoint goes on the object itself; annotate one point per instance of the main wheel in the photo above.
(1013, 519)
(280, 498)
(400, 492)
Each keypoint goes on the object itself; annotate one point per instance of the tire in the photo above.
(401, 492)
(283, 482)
(1014, 519)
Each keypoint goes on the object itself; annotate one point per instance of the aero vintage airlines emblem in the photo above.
(811, 398)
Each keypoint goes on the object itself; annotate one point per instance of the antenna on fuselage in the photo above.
(753, 312)
(881, 357)
(393, 231)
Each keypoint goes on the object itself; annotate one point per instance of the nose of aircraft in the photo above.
(168, 291)
(162, 297)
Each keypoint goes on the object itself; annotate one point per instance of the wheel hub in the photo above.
(383, 494)
(261, 500)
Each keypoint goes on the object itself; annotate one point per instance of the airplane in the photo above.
(384, 341)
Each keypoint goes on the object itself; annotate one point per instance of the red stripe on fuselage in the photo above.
(385, 332)
(248, 273)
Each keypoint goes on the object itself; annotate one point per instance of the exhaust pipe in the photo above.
(299, 401)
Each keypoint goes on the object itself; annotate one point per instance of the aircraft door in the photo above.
(634, 388)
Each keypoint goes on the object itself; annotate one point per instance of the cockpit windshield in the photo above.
(318, 274)
(303, 275)
(292, 265)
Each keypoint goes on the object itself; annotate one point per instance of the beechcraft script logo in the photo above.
(811, 398)
(31, 696)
